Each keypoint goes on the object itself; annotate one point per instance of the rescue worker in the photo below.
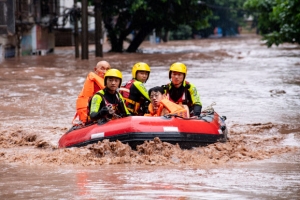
(108, 103)
(181, 91)
(93, 83)
(160, 105)
(134, 92)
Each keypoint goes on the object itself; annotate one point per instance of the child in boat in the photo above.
(134, 92)
(181, 91)
(108, 103)
(93, 83)
(160, 105)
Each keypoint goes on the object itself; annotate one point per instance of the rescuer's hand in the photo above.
(104, 111)
(197, 110)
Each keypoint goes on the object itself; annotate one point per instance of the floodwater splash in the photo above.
(246, 143)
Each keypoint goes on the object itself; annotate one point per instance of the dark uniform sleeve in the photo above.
(197, 110)
(195, 100)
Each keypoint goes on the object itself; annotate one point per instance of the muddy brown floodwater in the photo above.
(255, 87)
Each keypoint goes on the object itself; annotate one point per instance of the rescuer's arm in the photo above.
(197, 105)
(95, 111)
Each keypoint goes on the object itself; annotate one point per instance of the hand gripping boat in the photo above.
(134, 130)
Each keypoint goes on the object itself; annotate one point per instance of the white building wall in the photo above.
(68, 4)
(7, 47)
(1, 52)
(65, 4)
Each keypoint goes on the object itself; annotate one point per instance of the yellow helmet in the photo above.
(113, 73)
(140, 66)
(178, 67)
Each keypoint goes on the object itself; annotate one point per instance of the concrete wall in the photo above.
(7, 49)
(37, 41)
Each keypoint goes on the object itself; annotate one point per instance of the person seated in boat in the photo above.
(134, 92)
(108, 103)
(93, 83)
(181, 91)
(160, 105)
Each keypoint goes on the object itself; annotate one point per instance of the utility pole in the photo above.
(98, 29)
(76, 40)
(84, 31)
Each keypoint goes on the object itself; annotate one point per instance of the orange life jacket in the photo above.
(172, 108)
(86, 93)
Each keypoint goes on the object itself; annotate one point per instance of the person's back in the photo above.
(134, 92)
(93, 83)
(181, 91)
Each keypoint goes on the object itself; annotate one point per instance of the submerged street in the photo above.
(255, 87)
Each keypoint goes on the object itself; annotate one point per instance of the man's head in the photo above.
(141, 71)
(113, 79)
(156, 94)
(101, 68)
(177, 73)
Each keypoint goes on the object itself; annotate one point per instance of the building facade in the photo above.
(26, 27)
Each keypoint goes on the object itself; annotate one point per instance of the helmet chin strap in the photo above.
(110, 91)
(177, 85)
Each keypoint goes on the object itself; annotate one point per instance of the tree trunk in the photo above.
(84, 31)
(76, 39)
(223, 31)
(165, 37)
(115, 41)
(116, 46)
(139, 38)
(98, 29)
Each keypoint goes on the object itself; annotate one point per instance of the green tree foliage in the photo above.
(278, 20)
(141, 17)
(183, 32)
(227, 15)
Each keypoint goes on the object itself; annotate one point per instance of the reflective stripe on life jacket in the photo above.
(131, 105)
(125, 90)
(135, 105)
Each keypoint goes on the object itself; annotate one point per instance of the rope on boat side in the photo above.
(210, 109)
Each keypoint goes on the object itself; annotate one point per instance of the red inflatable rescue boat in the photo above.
(134, 130)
